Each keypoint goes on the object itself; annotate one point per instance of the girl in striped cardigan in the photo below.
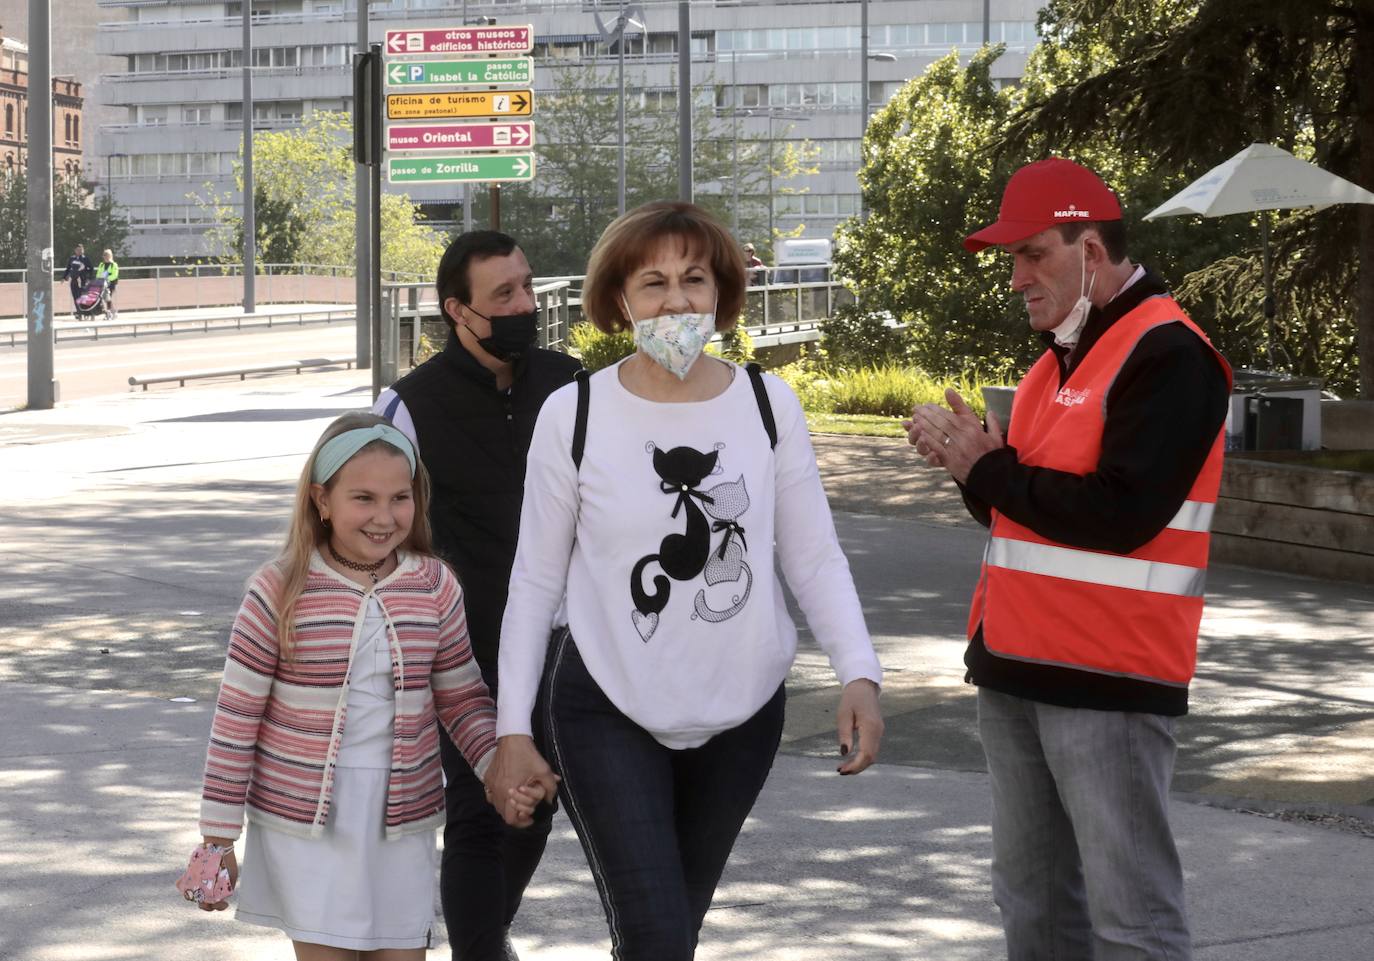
(345, 650)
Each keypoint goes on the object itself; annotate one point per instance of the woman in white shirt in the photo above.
(658, 493)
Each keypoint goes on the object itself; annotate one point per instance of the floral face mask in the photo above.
(674, 341)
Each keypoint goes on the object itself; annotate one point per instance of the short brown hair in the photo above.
(1111, 232)
(630, 240)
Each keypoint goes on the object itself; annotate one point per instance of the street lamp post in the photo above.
(734, 145)
(616, 35)
(864, 57)
(771, 116)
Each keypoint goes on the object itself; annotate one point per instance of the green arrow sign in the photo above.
(460, 169)
(451, 73)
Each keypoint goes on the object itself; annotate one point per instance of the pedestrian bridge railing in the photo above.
(178, 286)
(405, 307)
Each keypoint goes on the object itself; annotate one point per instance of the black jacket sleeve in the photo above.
(1163, 414)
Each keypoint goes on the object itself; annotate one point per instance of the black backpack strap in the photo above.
(584, 397)
(765, 407)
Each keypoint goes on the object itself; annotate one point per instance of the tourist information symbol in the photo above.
(512, 71)
(475, 103)
(459, 168)
(483, 135)
(494, 39)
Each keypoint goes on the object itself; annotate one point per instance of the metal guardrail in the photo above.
(242, 373)
(95, 330)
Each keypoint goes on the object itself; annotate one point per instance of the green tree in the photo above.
(303, 189)
(1187, 84)
(81, 215)
(928, 181)
(935, 161)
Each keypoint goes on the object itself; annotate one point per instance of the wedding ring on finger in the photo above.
(947, 440)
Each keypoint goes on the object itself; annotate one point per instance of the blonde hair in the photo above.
(307, 532)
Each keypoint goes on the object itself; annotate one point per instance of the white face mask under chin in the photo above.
(1066, 333)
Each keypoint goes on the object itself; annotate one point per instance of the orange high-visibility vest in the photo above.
(1131, 615)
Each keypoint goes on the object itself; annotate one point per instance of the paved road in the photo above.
(93, 368)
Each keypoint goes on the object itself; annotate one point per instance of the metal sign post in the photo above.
(367, 151)
(362, 208)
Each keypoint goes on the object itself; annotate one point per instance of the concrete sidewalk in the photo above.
(133, 521)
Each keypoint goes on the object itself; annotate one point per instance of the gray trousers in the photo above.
(1084, 864)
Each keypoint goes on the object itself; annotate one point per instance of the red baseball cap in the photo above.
(1045, 193)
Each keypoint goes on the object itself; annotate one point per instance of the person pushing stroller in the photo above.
(78, 271)
(108, 272)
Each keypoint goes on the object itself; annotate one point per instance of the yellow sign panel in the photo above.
(488, 103)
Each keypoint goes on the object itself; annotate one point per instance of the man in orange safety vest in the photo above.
(1084, 623)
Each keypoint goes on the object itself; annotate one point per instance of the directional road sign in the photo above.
(475, 103)
(502, 39)
(512, 71)
(456, 169)
(459, 136)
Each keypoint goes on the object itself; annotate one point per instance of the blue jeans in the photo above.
(487, 864)
(656, 824)
(1084, 864)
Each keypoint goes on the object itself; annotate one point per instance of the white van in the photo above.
(811, 254)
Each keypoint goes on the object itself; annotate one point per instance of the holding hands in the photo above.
(953, 439)
(518, 779)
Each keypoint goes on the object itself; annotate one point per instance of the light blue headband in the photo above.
(337, 450)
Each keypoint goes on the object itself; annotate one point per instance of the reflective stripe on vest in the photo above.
(1193, 516)
(1090, 567)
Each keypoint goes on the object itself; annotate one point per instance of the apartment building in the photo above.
(74, 25)
(784, 69)
(14, 119)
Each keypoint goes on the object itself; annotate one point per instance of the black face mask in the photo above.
(511, 334)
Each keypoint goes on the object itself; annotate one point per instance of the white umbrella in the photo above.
(1261, 177)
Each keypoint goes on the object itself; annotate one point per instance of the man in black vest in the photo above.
(471, 411)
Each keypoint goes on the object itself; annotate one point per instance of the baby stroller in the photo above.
(94, 300)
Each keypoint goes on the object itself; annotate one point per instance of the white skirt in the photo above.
(350, 888)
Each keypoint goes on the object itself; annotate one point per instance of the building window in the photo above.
(67, 127)
(9, 123)
(76, 129)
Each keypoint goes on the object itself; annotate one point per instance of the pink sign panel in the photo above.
(459, 136)
(496, 39)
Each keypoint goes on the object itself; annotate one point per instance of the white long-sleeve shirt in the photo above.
(663, 543)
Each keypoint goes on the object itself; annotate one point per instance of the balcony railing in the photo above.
(224, 73)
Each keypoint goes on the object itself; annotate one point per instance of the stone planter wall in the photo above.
(1298, 519)
(1348, 424)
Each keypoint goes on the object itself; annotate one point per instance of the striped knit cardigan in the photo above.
(278, 723)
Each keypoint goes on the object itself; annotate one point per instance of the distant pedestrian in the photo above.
(1083, 632)
(754, 265)
(108, 271)
(356, 620)
(78, 271)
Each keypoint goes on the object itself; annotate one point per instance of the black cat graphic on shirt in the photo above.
(684, 555)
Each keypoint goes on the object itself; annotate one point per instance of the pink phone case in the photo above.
(204, 880)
